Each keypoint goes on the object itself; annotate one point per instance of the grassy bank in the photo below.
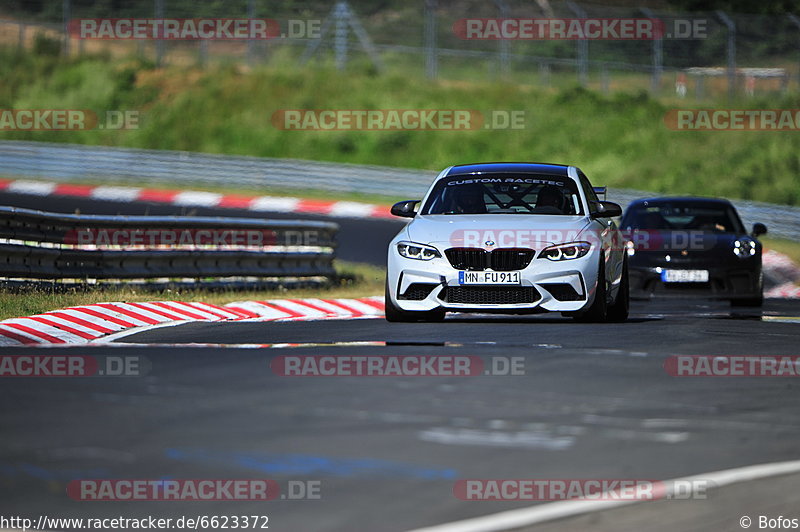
(619, 140)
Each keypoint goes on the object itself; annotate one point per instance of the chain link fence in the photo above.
(692, 55)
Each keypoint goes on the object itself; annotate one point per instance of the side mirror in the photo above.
(759, 229)
(606, 209)
(405, 208)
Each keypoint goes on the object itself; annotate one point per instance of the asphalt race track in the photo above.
(595, 401)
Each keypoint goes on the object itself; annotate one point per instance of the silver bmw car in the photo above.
(508, 238)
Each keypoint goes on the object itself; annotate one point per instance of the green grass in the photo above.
(368, 281)
(620, 140)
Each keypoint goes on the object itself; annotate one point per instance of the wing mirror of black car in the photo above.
(405, 208)
(759, 229)
(606, 209)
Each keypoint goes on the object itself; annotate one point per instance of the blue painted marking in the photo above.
(41, 473)
(304, 464)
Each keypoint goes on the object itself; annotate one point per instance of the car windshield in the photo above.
(505, 194)
(719, 218)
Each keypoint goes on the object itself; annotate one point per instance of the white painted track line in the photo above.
(542, 513)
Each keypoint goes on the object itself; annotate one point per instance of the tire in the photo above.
(757, 301)
(398, 315)
(598, 312)
(618, 312)
(751, 302)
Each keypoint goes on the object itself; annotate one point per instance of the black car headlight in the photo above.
(569, 251)
(412, 250)
(744, 248)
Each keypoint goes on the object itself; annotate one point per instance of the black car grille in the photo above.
(563, 292)
(499, 260)
(417, 291)
(489, 295)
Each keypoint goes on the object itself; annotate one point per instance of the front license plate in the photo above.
(488, 278)
(684, 276)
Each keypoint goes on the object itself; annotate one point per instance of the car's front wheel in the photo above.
(598, 312)
(395, 314)
(618, 312)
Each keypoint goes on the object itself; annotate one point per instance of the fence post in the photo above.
(658, 54)
(731, 52)
(794, 18)
(159, 14)
(21, 36)
(340, 35)
(251, 45)
(202, 56)
(504, 44)
(66, 14)
(582, 47)
(431, 53)
(544, 73)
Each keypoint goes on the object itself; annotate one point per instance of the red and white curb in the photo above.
(784, 272)
(104, 321)
(189, 198)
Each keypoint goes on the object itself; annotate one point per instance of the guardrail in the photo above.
(79, 163)
(37, 245)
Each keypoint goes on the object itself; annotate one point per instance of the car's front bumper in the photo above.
(726, 282)
(563, 286)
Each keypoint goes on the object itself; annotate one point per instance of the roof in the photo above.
(510, 168)
(681, 199)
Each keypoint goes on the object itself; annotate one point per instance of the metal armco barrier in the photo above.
(40, 245)
(123, 166)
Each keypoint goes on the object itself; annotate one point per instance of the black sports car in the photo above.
(692, 246)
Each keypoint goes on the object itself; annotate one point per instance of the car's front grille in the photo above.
(467, 258)
(563, 291)
(417, 291)
(489, 295)
(499, 260)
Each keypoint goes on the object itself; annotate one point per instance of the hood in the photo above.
(501, 230)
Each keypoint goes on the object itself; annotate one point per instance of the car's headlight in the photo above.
(744, 248)
(569, 251)
(412, 250)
